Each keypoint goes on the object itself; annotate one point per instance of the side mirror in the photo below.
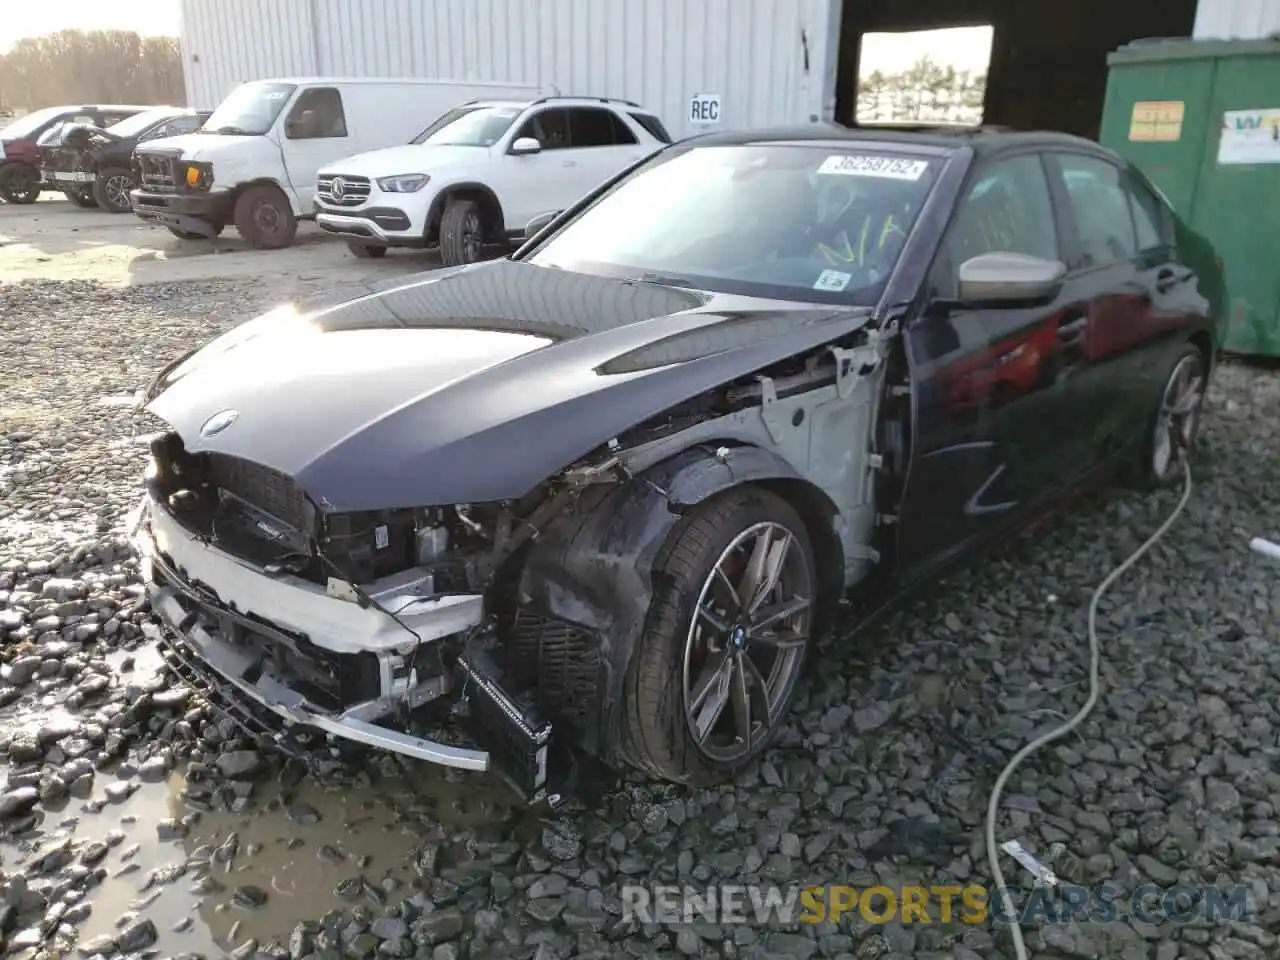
(1009, 279)
(525, 146)
(539, 223)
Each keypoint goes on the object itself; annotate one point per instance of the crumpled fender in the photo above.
(595, 568)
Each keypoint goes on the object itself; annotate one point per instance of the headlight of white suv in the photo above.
(403, 183)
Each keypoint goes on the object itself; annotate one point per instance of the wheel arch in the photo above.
(492, 218)
(596, 570)
(1203, 341)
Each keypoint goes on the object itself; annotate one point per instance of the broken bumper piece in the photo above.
(201, 632)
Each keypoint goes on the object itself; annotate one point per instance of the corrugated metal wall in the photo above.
(1237, 19)
(771, 61)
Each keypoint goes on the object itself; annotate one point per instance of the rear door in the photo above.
(1120, 286)
(314, 133)
(604, 145)
(1142, 298)
(992, 413)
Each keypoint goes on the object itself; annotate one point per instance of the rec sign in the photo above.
(704, 108)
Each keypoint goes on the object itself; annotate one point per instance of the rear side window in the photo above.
(1101, 205)
(653, 126)
(316, 115)
(1152, 221)
(595, 127)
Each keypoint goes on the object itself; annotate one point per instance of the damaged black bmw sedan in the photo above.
(608, 490)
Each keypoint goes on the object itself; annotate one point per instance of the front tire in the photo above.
(1174, 423)
(111, 189)
(192, 235)
(82, 198)
(461, 233)
(713, 676)
(265, 219)
(19, 183)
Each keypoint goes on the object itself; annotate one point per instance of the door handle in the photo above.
(1071, 328)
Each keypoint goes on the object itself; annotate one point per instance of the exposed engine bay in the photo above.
(349, 621)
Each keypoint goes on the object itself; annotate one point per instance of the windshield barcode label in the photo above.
(894, 168)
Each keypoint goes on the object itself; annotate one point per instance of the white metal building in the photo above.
(768, 61)
(759, 62)
(1237, 19)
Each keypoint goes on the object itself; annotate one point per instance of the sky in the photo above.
(35, 18)
(965, 48)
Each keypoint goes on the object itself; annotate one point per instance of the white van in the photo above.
(253, 164)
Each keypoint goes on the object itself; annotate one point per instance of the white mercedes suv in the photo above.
(480, 173)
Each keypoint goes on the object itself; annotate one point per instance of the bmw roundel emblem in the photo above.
(218, 422)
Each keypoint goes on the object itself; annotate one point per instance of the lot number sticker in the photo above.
(832, 280)
(892, 168)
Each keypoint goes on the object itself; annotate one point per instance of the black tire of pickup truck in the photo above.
(19, 183)
(82, 198)
(264, 218)
(192, 235)
(111, 189)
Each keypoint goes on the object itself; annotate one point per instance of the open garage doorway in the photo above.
(1047, 66)
(923, 76)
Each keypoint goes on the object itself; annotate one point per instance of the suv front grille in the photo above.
(343, 191)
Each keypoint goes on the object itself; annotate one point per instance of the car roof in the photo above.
(932, 139)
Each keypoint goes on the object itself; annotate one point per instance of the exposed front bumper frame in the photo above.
(356, 723)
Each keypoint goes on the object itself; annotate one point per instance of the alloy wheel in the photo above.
(117, 190)
(1179, 416)
(746, 641)
(471, 238)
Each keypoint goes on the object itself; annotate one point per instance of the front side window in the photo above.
(317, 115)
(807, 223)
(250, 110)
(134, 125)
(1008, 209)
(470, 126)
(549, 127)
(1100, 205)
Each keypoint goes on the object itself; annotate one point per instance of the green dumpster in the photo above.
(1201, 118)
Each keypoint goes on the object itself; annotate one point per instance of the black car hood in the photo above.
(472, 385)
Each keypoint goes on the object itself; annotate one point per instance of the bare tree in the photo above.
(99, 66)
(925, 92)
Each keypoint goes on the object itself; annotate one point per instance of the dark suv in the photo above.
(20, 180)
(94, 166)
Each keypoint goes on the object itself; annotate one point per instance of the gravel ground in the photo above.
(134, 821)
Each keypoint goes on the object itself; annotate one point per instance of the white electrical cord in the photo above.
(993, 855)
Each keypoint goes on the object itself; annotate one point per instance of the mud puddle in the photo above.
(289, 849)
(295, 861)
